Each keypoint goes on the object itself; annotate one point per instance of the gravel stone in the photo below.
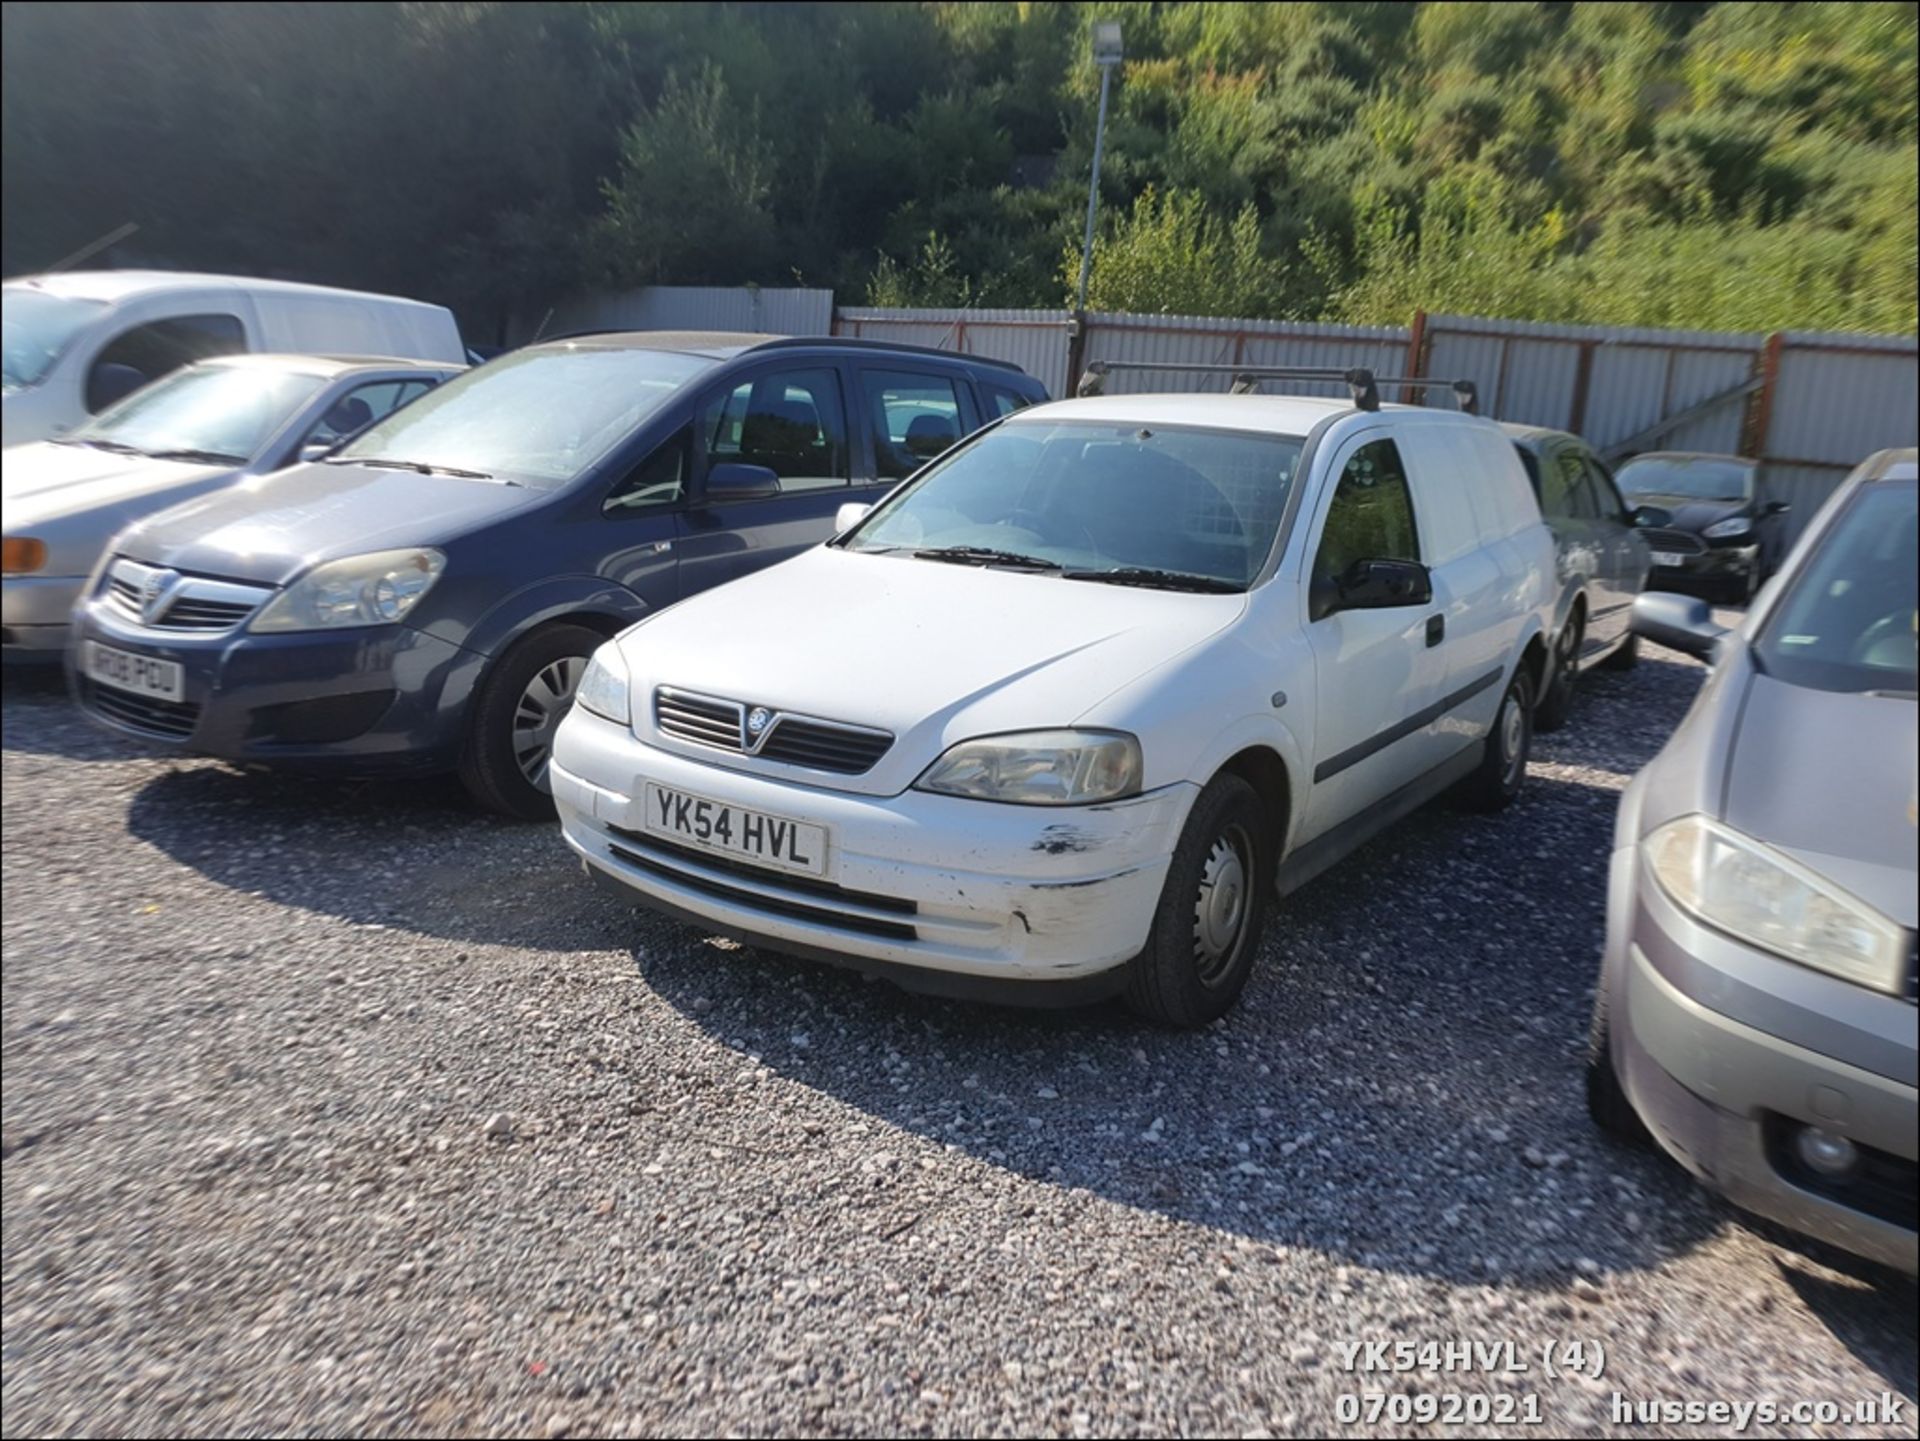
(258, 1031)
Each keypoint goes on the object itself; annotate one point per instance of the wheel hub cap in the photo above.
(1512, 728)
(543, 705)
(1220, 909)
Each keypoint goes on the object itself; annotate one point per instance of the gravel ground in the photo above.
(344, 1109)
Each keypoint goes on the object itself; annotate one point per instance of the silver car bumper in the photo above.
(35, 612)
(1724, 1094)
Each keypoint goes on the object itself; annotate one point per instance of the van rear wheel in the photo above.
(1200, 948)
(1503, 764)
(510, 726)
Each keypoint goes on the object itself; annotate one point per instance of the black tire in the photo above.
(1503, 764)
(1607, 1101)
(1192, 970)
(1625, 656)
(1556, 706)
(510, 723)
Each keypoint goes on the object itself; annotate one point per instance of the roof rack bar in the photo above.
(1360, 381)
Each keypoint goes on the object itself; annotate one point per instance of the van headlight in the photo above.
(374, 589)
(604, 688)
(1755, 894)
(1039, 768)
(1727, 529)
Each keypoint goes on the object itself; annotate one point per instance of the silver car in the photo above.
(203, 427)
(1755, 1011)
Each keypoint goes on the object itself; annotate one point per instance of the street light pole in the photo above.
(1106, 54)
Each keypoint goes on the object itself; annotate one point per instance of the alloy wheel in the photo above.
(543, 704)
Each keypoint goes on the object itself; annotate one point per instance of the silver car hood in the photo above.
(1830, 778)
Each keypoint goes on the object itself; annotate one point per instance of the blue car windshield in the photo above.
(540, 416)
(1851, 612)
(1098, 496)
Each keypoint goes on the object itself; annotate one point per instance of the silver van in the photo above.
(77, 342)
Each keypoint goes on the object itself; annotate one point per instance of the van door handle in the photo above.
(1436, 629)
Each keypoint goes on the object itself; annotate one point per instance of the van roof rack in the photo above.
(1362, 382)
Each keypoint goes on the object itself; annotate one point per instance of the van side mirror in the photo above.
(1775, 507)
(1682, 622)
(1651, 517)
(734, 480)
(1372, 585)
(848, 516)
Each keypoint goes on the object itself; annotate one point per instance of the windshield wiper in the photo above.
(205, 457)
(381, 462)
(985, 555)
(1142, 575)
(118, 447)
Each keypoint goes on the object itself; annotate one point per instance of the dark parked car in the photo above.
(425, 598)
(1602, 556)
(1718, 533)
(1755, 1010)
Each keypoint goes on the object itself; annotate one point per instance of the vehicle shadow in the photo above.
(414, 855)
(1869, 1310)
(1415, 1028)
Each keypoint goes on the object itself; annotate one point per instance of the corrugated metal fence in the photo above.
(1809, 405)
(1034, 340)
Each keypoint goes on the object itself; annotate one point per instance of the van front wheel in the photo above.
(1200, 948)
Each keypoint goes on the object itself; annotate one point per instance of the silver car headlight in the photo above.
(374, 589)
(605, 687)
(1755, 894)
(1728, 528)
(1039, 768)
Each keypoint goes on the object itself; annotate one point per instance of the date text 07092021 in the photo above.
(1553, 1357)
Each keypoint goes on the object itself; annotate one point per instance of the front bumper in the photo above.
(34, 613)
(1725, 1051)
(927, 884)
(1715, 563)
(370, 700)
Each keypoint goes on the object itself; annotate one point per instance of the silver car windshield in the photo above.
(36, 328)
(1849, 618)
(210, 412)
(539, 417)
(1099, 498)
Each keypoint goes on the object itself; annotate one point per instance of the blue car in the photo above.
(424, 598)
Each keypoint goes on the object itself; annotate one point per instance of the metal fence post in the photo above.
(1753, 441)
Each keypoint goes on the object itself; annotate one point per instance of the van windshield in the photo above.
(37, 327)
(1099, 500)
(540, 417)
(213, 411)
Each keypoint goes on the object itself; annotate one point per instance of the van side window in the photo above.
(143, 354)
(914, 417)
(1371, 517)
(793, 422)
(659, 480)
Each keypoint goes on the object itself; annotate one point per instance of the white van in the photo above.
(78, 342)
(1071, 704)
